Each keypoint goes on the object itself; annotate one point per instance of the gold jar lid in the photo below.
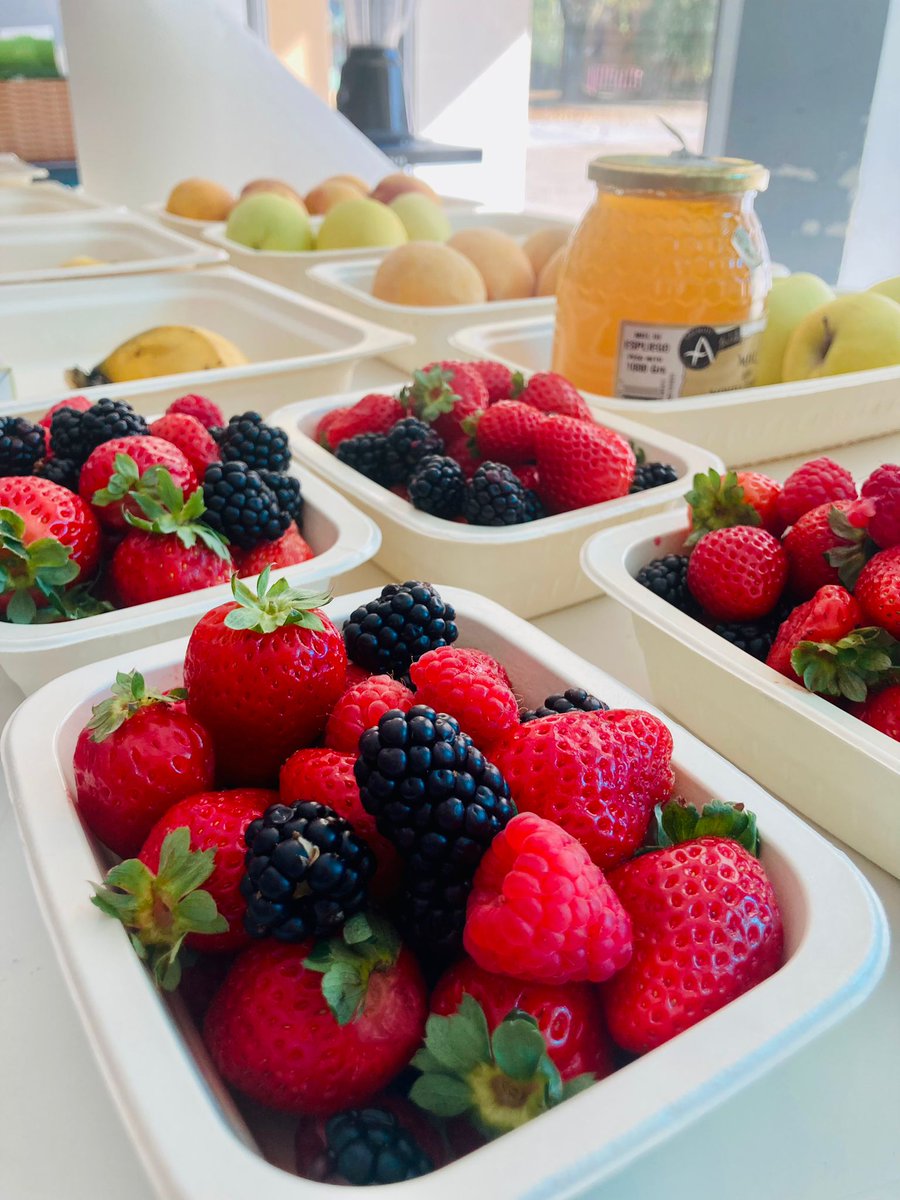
(678, 173)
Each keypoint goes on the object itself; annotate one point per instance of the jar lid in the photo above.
(678, 173)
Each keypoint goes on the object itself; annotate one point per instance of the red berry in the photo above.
(445, 394)
(361, 707)
(762, 493)
(529, 477)
(541, 910)
(321, 434)
(552, 393)
(737, 573)
(288, 551)
(208, 414)
(375, 413)
(581, 463)
(506, 432)
(501, 382)
(191, 438)
(153, 566)
(830, 615)
(146, 452)
(813, 484)
(878, 591)
(447, 680)
(882, 491)
(80, 403)
(461, 449)
(806, 543)
(882, 711)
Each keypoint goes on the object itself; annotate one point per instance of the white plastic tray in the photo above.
(44, 331)
(183, 1123)
(123, 243)
(531, 568)
(753, 425)
(835, 769)
(32, 655)
(41, 200)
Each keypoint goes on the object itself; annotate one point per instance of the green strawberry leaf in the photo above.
(442, 1095)
(129, 695)
(676, 822)
(272, 607)
(862, 659)
(346, 966)
(717, 502)
(857, 548)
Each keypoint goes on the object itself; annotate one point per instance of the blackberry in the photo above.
(286, 489)
(306, 872)
(247, 438)
(366, 453)
(494, 496)
(369, 1146)
(438, 486)
(21, 445)
(66, 437)
(105, 420)
(667, 577)
(240, 506)
(569, 701)
(59, 470)
(388, 634)
(651, 475)
(534, 506)
(406, 443)
(754, 637)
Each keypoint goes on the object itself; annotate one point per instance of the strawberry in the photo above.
(881, 496)
(581, 463)
(706, 927)
(552, 393)
(190, 437)
(878, 590)
(461, 449)
(139, 754)
(205, 411)
(325, 422)
(737, 573)
(813, 484)
(810, 544)
(79, 403)
(444, 394)
(735, 498)
(289, 550)
(49, 538)
(120, 466)
(529, 477)
(360, 707)
(828, 616)
(501, 382)
(318, 1028)
(882, 711)
(596, 774)
(263, 672)
(449, 680)
(506, 432)
(375, 413)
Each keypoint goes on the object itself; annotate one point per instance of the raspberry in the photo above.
(449, 681)
(882, 490)
(541, 910)
(482, 661)
(361, 707)
(811, 485)
(208, 414)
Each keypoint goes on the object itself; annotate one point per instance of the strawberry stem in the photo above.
(129, 695)
(717, 502)
(269, 608)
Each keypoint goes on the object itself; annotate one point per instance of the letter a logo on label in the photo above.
(699, 347)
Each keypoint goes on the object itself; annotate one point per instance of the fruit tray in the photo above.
(120, 244)
(191, 1136)
(752, 425)
(531, 568)
(31, 655)
(46, 331)
(47, 199)
(833, 768)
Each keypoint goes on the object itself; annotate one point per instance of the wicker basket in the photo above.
(35, 120)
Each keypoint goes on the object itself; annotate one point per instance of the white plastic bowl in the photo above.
(531, 568)
(40, 200)
(184, 1124)
(32, 655)
(752, 425)
(835, 769)
(44, 331)
(123, 243)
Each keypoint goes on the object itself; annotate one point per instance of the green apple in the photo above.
(888, 287)
(790, 299)
(359, 223)
(264, 221)
(853, 333)
(423, 220)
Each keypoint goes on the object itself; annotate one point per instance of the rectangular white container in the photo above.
(183, 1122)
(44, 331)
(753, 425)
(32, 655)
(531, 568)
(123, 244)
(40, 200)
(830, 766)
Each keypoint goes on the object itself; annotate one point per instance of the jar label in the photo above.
(663, 362)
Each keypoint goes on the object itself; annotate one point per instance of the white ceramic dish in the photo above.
(41, 200)
(833, 768)
(531, 568)
(122, 243)
(32, 655)
(44, 331)
(184, 1124)
(753, 425)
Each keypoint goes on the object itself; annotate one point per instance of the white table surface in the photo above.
(822, 1126)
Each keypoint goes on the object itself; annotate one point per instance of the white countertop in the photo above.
(822, 1126)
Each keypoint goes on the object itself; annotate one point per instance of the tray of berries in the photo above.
(485, 481)
(425, 897)
(770, 626)
(116, 531)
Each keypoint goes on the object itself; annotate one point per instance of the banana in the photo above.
(163, 350)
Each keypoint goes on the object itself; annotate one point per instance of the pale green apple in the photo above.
(853, 333)
(790, 299)
(888, 287)
(358, 223)
(423, 220)
(264, 221)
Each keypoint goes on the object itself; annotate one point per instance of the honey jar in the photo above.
(664, 286)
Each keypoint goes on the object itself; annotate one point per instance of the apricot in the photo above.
(503, 264)
(548, 280)
(395, 185)
(542, 245)
(327, 195)
(277, 187)
(428, 274)
(200, 199)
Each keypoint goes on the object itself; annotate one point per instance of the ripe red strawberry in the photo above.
(830, 615)
(881, 496)
(736, 498)
(375, 413)
(529, 477)
(139, 754)
(541, 910)
(813, 484)
(882, 711)
(581, 463)
(205, 411)
(878, 590)
(104, 480)
(807, 544)
(506, 432)
(320, 434)
(49, 538)
(190, 437)
(444, 394)
(567, 1014)
(274, 1037)
(327, 776)
(762, 492)
(706, 927)
(737, 573)
(501, 382)
(263, 672)
(361, 707)
(80, 403)
(595, 774)
(462, 450)
(288, 551)
(450, 681)
(552, 393)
